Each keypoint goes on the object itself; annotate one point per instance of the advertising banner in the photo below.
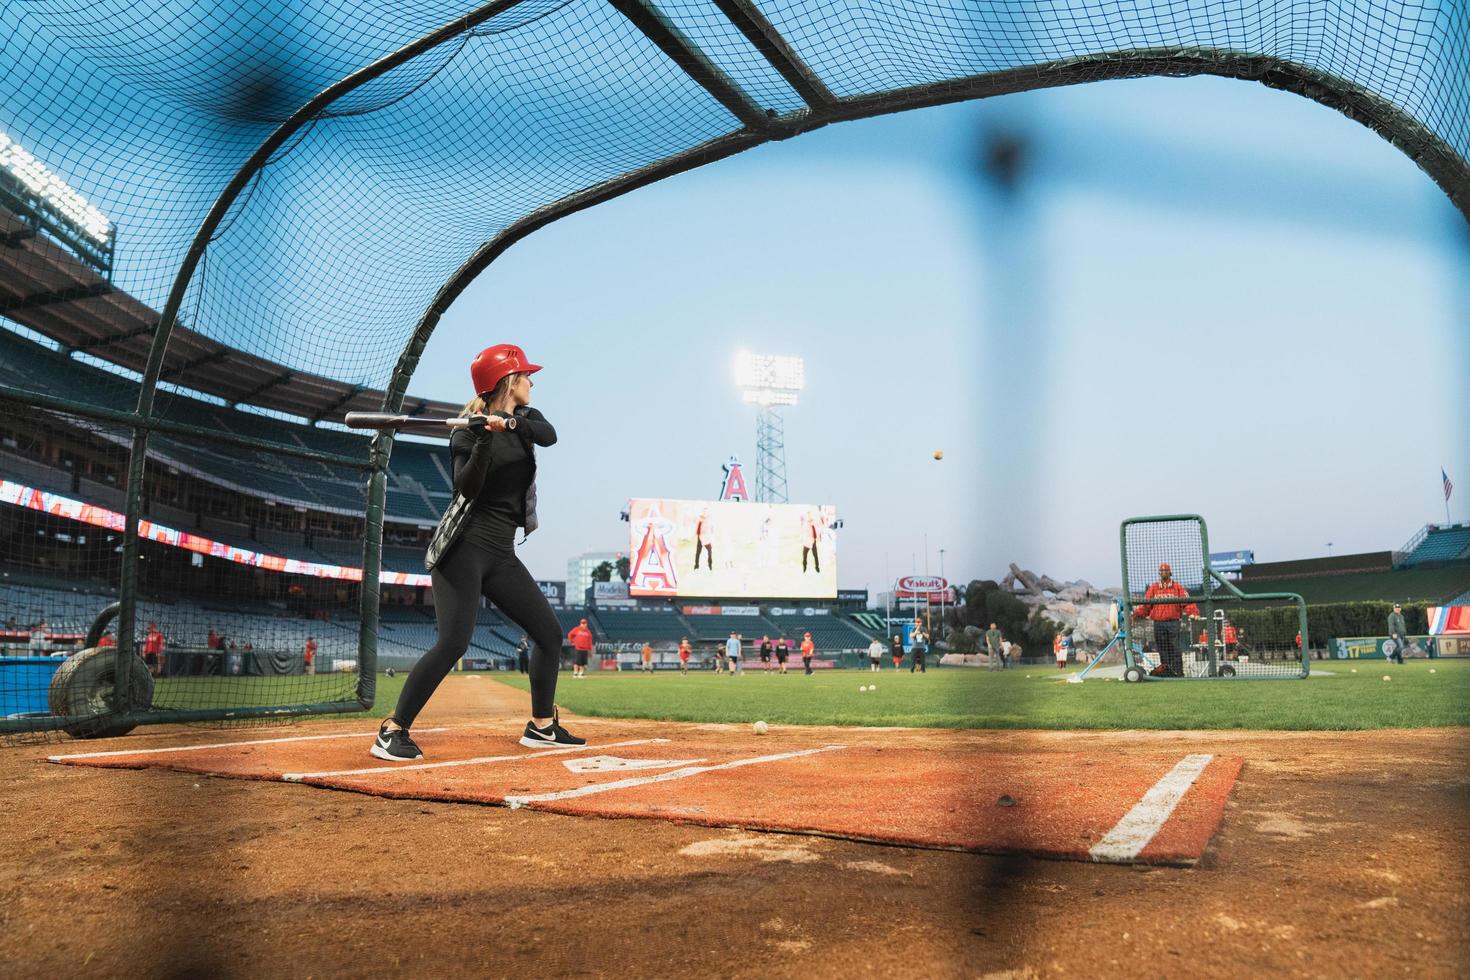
(555, 592)
(930, 587)
(713, 548)
(853, 595)
(1379, 647)
(1449, 620)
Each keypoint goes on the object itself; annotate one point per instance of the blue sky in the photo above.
(1205, 297)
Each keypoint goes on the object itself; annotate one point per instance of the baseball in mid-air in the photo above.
(939, 454)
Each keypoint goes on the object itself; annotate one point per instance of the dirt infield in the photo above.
(1338, 854)
(953, 791)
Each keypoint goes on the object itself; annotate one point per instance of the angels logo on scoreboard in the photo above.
(733, 487)
(653, 570)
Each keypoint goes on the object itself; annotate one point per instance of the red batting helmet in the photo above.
(1164, 567)
(494, 363)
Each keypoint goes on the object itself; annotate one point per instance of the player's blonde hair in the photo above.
(480, 404)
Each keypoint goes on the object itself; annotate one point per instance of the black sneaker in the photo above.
(553, 736)
(395, 745)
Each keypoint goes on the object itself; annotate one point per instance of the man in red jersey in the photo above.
(1166, 616)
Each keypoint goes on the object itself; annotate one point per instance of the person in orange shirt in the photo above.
(648, 657)
(1165, 617)
(684, 654)
(308, 655)
(153, 650)
(581, 640)
(807, 649)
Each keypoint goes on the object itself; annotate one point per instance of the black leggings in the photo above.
(484, 563)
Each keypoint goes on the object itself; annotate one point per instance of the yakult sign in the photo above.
(931, 587)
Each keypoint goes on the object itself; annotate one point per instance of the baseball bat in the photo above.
(383, 420)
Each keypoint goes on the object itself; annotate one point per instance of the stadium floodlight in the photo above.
(769, 381)
(766, 379)
(57, 193)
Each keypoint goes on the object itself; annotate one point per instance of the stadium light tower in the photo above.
(769, 382)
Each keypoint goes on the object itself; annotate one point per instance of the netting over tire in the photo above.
(279, 199)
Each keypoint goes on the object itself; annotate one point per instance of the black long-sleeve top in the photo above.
(497, 470)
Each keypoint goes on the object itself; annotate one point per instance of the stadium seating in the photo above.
(719, 627)
(829, 633)
(1439, 544)
(643, 626)
(25, 364)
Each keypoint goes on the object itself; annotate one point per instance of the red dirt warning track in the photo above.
(1154, 808)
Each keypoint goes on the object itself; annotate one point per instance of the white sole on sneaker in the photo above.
(381, 753)
(536, 743)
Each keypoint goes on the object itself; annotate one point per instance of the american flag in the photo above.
(1448, 486)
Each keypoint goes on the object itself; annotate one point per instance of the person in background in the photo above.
(807, 649)
(1166, 617)
(1059, 649)
(992, 647)
(875, 655)
(581, 640)
(719, 659)
(897, 651)
(684, 653)
(1006, 646)
(37, 647)
(919, 640)
(783, 652)
(153, 650)
(1398, 633)
(523, 654)
(765, 649)
(211, 642)
(308, 655)
(647, 657)
(732, 651)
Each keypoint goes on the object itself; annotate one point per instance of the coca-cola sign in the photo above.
(921, 585)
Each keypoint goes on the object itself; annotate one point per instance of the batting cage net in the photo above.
(222, 226)
(1182, 619)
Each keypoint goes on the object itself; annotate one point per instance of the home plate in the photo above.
(611, 763)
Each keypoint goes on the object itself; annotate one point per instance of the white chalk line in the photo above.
(1141, 824)
(296, 777)
(663, 777)
(221, 745)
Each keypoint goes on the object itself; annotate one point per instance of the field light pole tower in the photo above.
(770, 383)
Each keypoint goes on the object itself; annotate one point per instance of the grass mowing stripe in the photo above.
(963, 698)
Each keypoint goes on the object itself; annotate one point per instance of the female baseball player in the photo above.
(472, 552)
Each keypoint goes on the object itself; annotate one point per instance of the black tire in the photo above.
(1133, 675)
(86, 684)
(1227, 671)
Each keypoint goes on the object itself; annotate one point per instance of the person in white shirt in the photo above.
(875, 655)
(732, 651)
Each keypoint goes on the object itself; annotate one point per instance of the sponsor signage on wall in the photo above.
(1231, 561)
(853, 595)
(921, 587)
(555, 592)
(611, 594)
(1380, 647)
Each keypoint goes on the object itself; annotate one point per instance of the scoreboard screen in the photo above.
(731, 548)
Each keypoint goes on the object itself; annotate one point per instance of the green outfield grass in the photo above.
(963, 698)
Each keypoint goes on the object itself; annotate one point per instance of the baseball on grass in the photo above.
(874, 687)
(863, 687)
(1387, 677)
(1431, 670)
(760, 727)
